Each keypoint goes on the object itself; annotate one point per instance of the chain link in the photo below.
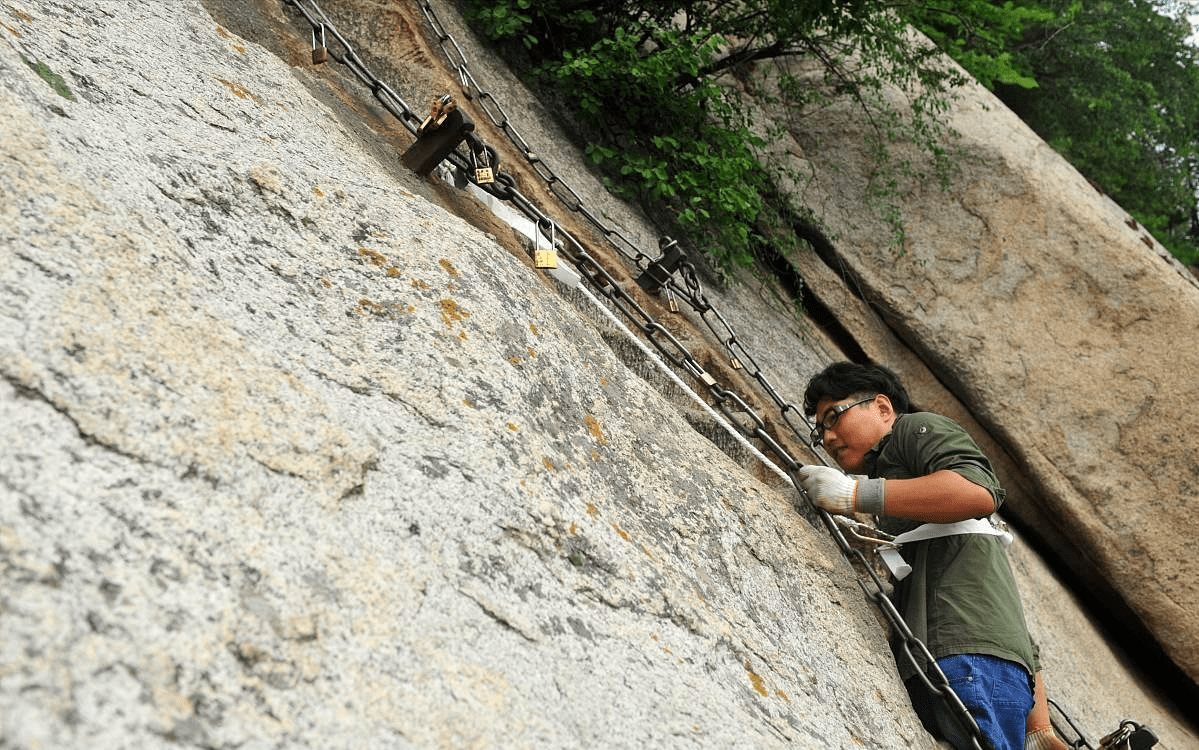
(735, 408)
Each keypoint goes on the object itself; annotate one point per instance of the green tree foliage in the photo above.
(986, 38)
(654, 83)
(1110, 84)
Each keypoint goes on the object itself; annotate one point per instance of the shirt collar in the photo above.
(870, 460)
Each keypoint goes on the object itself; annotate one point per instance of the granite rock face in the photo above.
(298, 450)
(294, 456)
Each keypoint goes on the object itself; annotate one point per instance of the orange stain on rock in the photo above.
(593, 426)
(756, 681)
(451, 313)
(373, 256)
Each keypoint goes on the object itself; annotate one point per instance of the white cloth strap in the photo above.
(969, 526)
(900, 568)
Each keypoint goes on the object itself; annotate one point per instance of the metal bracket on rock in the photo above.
(657, 274)
(440, 133)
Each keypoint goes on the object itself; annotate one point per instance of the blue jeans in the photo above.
(997, 692)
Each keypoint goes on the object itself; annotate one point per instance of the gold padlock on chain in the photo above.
(320, 52)
(547, 258)
(442, 106)
(671, 301)
(484, 174)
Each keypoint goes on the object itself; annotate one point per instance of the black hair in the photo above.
(841, 380)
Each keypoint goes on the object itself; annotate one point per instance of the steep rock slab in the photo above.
(294, 457)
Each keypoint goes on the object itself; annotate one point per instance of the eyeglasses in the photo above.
(829, 420)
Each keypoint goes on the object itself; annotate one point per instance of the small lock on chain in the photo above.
(544, 258)
(442, 106)
(320, 52)
(671, 300)
(484, 174)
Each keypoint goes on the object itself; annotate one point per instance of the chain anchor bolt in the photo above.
(657, 273)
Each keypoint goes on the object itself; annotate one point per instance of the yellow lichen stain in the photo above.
(394, 272)
(513, 427)
(594, 455)
(532, 351)
(316, 190)
(373, 256)
(450, 312)
(241, 92)
(418, 284)
(593, 426)
(549, 465)
(533, 328)
(468, 402)
(574, 529)
(647, 553)
(603, 380)
(514, 360)
(462, 335)
(449, 267)
(782, 695)
(623, 534)
(241, 50)
(592, 511)
(756, 681)
(327, 284)
(372, 307)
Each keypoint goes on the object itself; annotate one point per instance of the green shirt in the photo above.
(961, 596)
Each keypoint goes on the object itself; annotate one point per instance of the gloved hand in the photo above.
(837, 492)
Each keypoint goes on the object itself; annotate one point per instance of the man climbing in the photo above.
(915, 469)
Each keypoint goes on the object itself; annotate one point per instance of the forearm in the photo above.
(941, 497)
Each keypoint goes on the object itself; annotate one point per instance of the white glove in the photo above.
(838, 493)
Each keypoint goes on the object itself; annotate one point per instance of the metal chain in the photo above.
(687, 288)
(734, 407)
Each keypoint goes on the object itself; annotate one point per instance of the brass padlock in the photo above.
(442, 106)
(320, 52)
(484, 175)
(671, 301)
(547, 258)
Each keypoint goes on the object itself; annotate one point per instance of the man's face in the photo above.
(853, 431)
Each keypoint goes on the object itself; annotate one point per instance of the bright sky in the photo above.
(1188, 8)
